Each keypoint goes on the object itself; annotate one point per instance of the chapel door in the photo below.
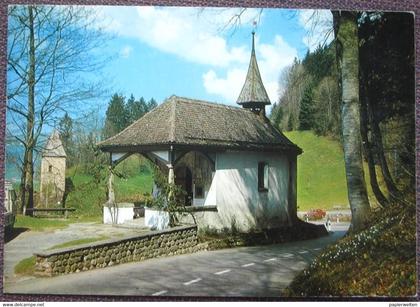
(183, 178)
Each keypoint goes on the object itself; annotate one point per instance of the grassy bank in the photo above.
(380, 260)
(26, 266)
(89, 196)
(321, 173)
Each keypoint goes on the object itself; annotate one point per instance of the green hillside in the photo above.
(321, 173)
(88, 196)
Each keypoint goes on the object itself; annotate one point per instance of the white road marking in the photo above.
(247, 265)
(317, 249)
(287, 255)
(159, 293)
(192, 281)
(222, 272)
(303, 252)
(271, 259)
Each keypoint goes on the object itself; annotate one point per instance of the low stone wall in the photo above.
(174, 241)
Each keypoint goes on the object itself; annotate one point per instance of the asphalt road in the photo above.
(246, 271)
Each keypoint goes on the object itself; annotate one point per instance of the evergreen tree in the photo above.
(135, 108)
(320, 63)
(276, 115)
(151, 105)
(306, 113)
(116, 116)
(65, 128)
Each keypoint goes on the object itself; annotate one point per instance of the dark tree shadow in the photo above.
(9, 235)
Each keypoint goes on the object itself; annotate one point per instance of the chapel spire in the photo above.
(253, 94)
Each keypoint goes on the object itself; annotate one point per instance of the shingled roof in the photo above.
(253, 93)
(54, 147)
(188, 122)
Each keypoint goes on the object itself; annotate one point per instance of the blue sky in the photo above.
(190, 52)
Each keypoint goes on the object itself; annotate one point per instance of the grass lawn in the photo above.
(40, 224)
(133, 188)
(26, 266)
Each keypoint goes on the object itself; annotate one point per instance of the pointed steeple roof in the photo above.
(54, 147)
(253, 93)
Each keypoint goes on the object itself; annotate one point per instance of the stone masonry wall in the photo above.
(175, 241)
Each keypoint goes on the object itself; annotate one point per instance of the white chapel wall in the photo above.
(234, 190)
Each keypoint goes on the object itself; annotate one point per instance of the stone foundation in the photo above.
(174, 241)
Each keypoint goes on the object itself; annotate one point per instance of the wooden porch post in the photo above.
(171, 175)
(111, 194)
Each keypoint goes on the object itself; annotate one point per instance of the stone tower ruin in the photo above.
(53, 172)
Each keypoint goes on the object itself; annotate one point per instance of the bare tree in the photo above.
(49, 47)
(294, 80)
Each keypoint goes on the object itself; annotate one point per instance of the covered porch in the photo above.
(191, 170)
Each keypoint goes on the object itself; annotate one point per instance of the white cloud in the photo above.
(318, 26)
(126, 51)
(189, 33)
(272, 59)
(228, 87)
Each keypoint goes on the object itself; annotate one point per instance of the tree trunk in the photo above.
(394, 193)
(345, 28)
(364, 128)
(29, 184)
(22, 191)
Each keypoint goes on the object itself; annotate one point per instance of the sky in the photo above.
(196, 53)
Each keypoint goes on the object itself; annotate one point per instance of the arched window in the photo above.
(50, 168)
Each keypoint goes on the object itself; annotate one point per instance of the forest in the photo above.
(311, 100)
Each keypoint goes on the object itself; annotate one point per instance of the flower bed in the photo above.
(316, 214)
